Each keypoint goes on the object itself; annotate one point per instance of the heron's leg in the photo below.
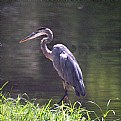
(65, 97)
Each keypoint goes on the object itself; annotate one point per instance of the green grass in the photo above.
(21, 109)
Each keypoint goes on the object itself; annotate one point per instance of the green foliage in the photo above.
(103, 114)
(21, 109)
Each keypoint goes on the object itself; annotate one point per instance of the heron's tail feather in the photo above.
(80, 91)
(79, 85)
(77, 93)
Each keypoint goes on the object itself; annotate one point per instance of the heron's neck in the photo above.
(45, 50)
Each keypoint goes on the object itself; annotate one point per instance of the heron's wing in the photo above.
(71, 73)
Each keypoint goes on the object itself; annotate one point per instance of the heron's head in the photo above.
(46, 33)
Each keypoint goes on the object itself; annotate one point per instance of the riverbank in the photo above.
(23, 109)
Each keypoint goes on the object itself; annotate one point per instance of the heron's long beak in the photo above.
(32, 36)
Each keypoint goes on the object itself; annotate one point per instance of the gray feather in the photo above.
(68, 68)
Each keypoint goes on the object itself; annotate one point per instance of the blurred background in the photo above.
(92, 32)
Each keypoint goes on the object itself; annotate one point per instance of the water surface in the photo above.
(91, 30)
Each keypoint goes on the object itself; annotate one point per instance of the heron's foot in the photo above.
(64, 98)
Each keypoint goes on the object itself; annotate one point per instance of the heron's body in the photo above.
(63, 61)
(68, 68)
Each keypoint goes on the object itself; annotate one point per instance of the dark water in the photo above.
(91, 30)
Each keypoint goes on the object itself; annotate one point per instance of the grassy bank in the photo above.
(21, 109)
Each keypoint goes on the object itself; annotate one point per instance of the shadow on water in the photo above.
(91, 30)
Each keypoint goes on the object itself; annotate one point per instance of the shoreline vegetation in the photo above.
(21, 109)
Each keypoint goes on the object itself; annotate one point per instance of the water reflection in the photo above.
(90, 30)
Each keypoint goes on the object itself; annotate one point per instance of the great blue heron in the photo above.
(63, 61)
